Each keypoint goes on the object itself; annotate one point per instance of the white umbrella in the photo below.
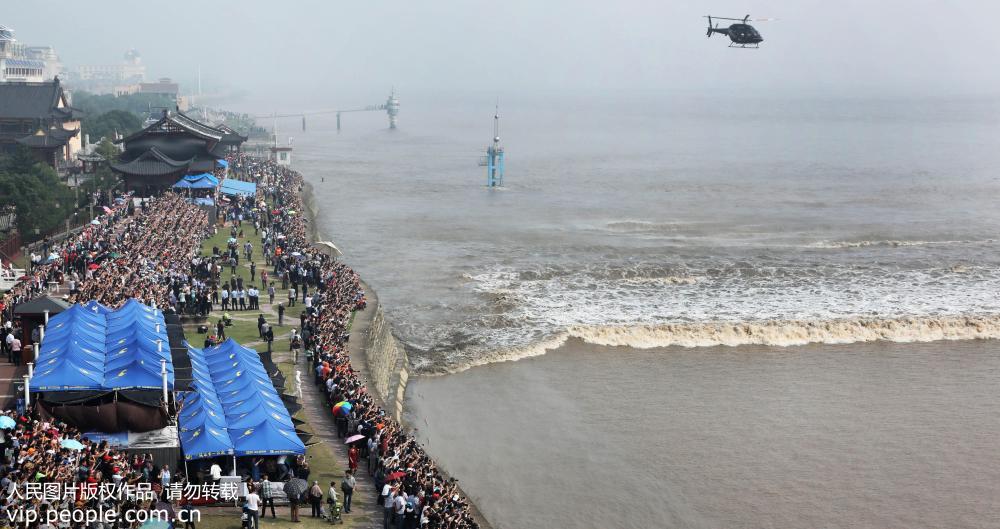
(330, 246)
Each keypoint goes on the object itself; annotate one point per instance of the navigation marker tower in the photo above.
(391, 109)
(494, 156)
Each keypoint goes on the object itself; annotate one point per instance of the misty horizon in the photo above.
(311, 55)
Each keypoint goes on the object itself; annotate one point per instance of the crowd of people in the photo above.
(49, 467)
(151, 251)
(410, 488)
(72, 255)
(130, 251)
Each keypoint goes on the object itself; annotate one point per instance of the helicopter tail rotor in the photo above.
(709, 32)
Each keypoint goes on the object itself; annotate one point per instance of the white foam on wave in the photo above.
(734, 304)
(833, 245)
(794, 333)
(644, 226)
(764, 333)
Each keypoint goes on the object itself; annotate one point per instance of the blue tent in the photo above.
(198, 181)
(90, 347)
(266, 439)
(238, 187)
(233, 394)
(96, 307)
(71, 356)
(195, 177)
(222, 163)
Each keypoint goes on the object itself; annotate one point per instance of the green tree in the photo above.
(41, 201)
(107, 124)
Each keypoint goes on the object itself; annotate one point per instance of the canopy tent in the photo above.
(202, 176)
(222, 163)
(233, 407)
(90, 347)
(238, 187)
(199, 181)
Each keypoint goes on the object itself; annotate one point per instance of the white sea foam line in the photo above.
(775, 334)
(783, 306)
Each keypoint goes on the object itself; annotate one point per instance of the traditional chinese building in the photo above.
(39, 116)
(156, 157)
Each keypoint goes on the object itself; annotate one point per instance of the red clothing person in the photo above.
(352, 458)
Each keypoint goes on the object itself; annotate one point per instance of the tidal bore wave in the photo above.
(767, 333)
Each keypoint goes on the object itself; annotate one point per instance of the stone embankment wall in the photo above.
(387, 364)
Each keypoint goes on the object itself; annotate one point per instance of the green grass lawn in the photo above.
(324, 466)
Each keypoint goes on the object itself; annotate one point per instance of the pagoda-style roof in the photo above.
(172, 122)
(46, 100)
(153, 163)
(51, 138)
(174, 143)
(232, 137)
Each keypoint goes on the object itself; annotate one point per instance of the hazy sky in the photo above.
(318, 52)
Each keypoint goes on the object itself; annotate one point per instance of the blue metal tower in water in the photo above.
(494, 156)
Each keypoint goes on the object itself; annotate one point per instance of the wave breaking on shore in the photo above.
(764, 333)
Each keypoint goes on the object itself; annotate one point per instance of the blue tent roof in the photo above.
(204, 183)
(199, 181)
(222, 163)
(90, 347)
(238, 187)
(203, 176)
(232, 393)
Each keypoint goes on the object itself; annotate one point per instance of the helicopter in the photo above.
(742, 35)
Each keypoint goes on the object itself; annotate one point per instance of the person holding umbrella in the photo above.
(294, 489)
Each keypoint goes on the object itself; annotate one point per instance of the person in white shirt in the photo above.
(331, 497)
(390, 500)
(399, 508)
(253, 506)
(216, 473)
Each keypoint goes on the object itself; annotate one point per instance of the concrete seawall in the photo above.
(374, 351)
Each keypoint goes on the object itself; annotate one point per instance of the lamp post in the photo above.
(163, 373)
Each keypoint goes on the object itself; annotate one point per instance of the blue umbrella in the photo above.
(72, 444)
(7, 423)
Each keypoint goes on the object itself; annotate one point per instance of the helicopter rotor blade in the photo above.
(709, 32)
(764, 19)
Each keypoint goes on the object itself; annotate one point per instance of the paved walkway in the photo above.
(324, 428)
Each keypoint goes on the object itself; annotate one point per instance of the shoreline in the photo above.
(366, 322)
(358, 346)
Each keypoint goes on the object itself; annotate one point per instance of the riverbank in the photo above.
(378, 358)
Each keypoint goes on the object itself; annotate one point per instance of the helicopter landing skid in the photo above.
(750, 46)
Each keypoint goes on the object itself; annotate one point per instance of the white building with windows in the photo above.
(21, 63)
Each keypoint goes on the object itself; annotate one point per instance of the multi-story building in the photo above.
(118, 79)
(25, 63)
